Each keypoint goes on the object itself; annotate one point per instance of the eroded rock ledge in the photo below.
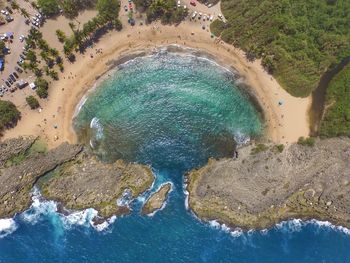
(262, 189)
(156, 200)
(89, 183)
(68, 174)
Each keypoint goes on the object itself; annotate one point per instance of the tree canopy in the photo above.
(49, 7)
(165, 10)
(9, 115)
(297, 40)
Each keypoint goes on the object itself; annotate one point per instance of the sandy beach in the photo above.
(286, 116)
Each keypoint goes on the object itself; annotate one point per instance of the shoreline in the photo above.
(284, 124)
(244, 88)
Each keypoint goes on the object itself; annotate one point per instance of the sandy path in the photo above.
(285, 123)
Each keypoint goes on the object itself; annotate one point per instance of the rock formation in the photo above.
(157, 199)
(259, 190)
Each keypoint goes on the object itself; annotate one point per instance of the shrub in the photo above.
(32, 102)
(310, 141)
(279, 148)
(259, 148)
(42, 92)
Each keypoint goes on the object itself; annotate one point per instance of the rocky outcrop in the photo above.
(18, 179)
(89, 183)
(13, 147)
(156, 200)
(67, 174)
(259, 190)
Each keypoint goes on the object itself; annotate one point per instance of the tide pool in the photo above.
(172, 111)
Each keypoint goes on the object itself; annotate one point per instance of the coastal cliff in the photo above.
(262, 188)
(68, 174)
(22, 164)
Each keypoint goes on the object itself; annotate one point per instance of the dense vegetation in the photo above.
(336, 121)
(49, 7)
(37, 45)
(9, 115)
(297, 40)
(165, 10)
(70, 8)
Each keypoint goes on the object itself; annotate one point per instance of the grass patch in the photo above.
(259, 148)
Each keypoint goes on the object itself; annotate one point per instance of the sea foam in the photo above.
(7, 227)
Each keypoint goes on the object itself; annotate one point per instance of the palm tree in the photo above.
(72, 26)
(24, 13)
(14, 5)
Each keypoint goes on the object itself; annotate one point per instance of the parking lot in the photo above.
(16, 28)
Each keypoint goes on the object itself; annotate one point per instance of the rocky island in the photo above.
(156, 200)
(68, 174)
(266, 186)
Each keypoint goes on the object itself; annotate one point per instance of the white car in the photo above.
(185, 7)
(194, 15)
(220, 16)
(211, 18)
(199, 15)
(4, 12)
(178, 3)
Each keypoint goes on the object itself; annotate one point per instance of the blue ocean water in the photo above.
(172, 111)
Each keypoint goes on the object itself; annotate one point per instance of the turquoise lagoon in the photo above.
(172, 111)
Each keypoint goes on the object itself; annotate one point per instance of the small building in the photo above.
(32, 85)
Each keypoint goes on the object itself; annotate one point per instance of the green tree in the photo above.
(9, 115)
(40, 82)
(61, 35)
(32, 102)
(42, 92)
(49, 7)
(108, 8)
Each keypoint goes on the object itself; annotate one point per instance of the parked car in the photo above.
(18, 69)
(4, 12)
(9, 10)
(9, 18)
(194, 15)
(15, 74)
(7, 84)
(193, 3)
(22, 57)
(12, 78)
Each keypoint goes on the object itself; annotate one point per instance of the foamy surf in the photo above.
(7, 227)
(41, 209)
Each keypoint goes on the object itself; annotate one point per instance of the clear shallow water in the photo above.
(173, 113)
